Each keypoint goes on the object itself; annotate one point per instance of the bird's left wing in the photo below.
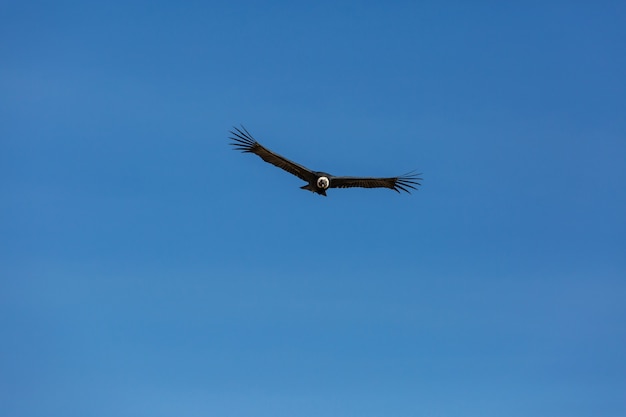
(404, 182)
(243, 141)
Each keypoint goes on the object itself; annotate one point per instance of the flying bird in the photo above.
(317, 181)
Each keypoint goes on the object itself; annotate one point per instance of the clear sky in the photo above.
(149, 270)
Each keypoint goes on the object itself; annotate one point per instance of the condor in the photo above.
(317, 181)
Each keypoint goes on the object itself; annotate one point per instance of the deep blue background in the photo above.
(147, 269)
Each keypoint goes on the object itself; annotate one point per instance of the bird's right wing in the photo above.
(406, 182)
(243, 141)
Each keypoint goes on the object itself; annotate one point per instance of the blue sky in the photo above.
(147, 269)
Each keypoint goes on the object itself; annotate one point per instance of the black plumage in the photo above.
(317, 181)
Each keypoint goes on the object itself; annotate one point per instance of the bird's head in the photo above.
(323, 182)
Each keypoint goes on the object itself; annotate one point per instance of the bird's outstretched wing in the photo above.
(404, 182)
(243, 141)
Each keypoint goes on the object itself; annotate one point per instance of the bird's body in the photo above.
(317, 181)
(319, 184)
